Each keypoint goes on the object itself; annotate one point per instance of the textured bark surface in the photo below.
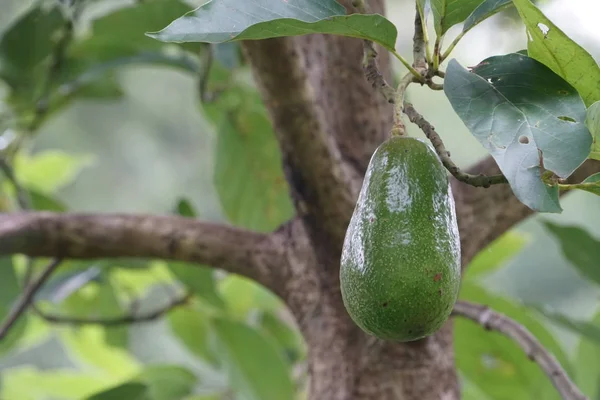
(328, 121)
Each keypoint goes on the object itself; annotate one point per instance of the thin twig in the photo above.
(27, 297)
(374, 77)
(130, 318)
(438, 145)
(491, 320)
(419, 43)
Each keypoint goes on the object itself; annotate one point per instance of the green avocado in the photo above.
(400, 266)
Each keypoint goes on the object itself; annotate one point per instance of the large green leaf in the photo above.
(288, 338)
(579, 247)
(592, 121)
(551, 46)
(447, 13)
(494, 362)
(484, 10)
(587, 362)
(192, 327)
(244, 295)
(225, 20)
(167, 382)
(255, 368)
(527, 118)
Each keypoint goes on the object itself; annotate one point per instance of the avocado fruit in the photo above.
(400, 268)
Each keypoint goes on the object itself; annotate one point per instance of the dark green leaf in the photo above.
(485, 10)
(447, 13)
(44, 202)
(496, 254)
(220, 21)
(10, 290)
(166, 382)
(129, 391)
(185, 208)
(551, 46)
(248, 173)
(26, 44)
(243, 349)
(592, 121)
(526, 117)
(494, 362)
(193, 328)
(579, 247)
(122, 32)
(586, 329)
(587, 361)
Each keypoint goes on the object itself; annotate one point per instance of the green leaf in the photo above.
(243, 295)
(192, 327)
(26, 44)
(49, 170)
(552, 47)
(43, 202)
(167, 382)
(586, 329)
(220, 21)
(122, 32)
(129, 391)
(199, 279)
(289, 339)
(526, 117)
(590, 184)
(447, 13)
(248, 173)
(484, 10)
(255, 368)
(185, 208)
(496, 254)
(579, 247)
(587, 361)
(494, 362)
(592, 122)
(10, 290)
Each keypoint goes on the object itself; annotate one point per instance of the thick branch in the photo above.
(85, 236)
(485, 214)
(492, 320)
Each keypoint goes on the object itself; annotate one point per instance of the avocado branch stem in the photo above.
(494, 321)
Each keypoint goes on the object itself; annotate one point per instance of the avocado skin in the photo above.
(400, 266)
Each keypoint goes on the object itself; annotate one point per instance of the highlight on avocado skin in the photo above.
(400, 267)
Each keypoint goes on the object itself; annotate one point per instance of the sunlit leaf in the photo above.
(243, 295)
(496, 254)
(526, 117)
(552, 47)
(240, 348)
(220, 21)
(579, 247)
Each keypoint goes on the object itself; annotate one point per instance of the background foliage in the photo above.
(122, 127)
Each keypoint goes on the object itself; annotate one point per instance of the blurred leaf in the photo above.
(484, 10)
(586, 329)
(494, 362)
(26, 44)
(248, 173)
(27, 383)
(579, 247)
(496, 254)
(591, 184)
(242, 349)
(243, 295)
(228, 54)
(185, 208)
(88, 343)
(526, 117)
(167, 382)
(592, 122)
(290, 340)
(122, 32)
(44, 202)
(49, 170)
(552, 47)
(10, 290)
(64, 283)
(587, 362)
(193, 328)
(129, 391)
(228, 20)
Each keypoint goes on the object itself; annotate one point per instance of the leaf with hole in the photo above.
(592, 121)
(552, 47)
(579, 247)
(220, 21)
(527, 117)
